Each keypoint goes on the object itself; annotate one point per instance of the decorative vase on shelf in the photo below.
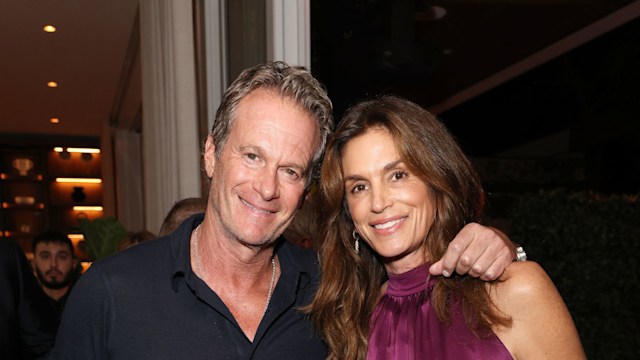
(23, 165)
(78, 194)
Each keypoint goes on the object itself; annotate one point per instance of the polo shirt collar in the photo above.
(292, 272)
(180, 250)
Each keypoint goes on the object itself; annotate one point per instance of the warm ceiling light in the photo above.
(87, 208)
(79, 180)
(52, 84)
(49, 28)
(54, 120)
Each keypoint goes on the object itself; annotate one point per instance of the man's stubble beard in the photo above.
(265, 241)
(55, 284)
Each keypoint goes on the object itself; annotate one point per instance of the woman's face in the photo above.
(392, 208)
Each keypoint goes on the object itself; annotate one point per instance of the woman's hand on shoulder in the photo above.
(542, 327)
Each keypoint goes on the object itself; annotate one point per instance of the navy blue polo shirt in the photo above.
(147, 303)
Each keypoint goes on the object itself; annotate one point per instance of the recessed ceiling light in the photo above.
(54, 120)
(52, 84)
(49, 28)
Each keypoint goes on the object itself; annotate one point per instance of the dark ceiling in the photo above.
(591, 93)
(588, 88)
(85, 56)
(592, 90)
(366, 47)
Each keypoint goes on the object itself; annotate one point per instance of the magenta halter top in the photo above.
(404, 325)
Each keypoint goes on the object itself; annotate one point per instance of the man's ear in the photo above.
(209, 156)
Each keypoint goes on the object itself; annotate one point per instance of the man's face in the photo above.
(54, 264)
(257, 182)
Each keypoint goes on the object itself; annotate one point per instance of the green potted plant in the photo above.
(101, 236)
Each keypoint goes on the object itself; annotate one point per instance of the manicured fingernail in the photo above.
(445, 273)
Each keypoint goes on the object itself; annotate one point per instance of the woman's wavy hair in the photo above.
(351, 282)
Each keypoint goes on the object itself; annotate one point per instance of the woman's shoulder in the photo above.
(523, 278)
(527, 295)
(523, 285)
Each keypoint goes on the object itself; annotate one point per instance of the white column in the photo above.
(216, 55)
(171, 155)
(128, 183)
(289, 31)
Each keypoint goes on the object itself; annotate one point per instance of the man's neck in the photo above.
(55, 294)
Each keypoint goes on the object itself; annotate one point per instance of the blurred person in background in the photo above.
(179, 212)
(55, 266)
(28, 322)
(136, 238)
(304, 229)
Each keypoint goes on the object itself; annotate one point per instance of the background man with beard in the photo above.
(55, 266)
(27, 322)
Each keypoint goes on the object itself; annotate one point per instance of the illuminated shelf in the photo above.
(42, 181)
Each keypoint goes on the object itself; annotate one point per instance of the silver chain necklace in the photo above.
(197, 260)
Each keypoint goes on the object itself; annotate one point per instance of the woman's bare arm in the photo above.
(542, 326)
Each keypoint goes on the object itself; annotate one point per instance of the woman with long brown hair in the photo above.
(396, 188)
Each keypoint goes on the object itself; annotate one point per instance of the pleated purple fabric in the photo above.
(404, 325)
